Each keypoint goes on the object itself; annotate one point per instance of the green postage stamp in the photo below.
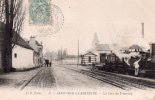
(39, 12)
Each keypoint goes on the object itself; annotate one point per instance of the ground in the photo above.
(43, 79)
(55, 77)
(61, 81)
(16, 79)
(69, 79)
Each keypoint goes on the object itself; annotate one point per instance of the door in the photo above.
(89, 58)
(102, 57)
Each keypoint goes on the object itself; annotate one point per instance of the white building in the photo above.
(22, 54)
(26, 54)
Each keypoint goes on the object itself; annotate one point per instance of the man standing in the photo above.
(136, 65)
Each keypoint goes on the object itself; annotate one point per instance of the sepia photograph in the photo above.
(77, 49)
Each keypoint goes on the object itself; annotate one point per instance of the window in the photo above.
(15, 55)
(89, 59)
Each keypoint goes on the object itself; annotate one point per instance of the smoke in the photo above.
(144, 44)
(116, 50)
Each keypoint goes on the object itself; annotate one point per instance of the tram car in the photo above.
(147, 66)
(114, 64)
(118, 65)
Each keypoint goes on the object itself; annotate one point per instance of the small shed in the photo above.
(88, 58)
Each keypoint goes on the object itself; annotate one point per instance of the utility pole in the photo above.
(143, 30)
(78, 55)
(61, 53)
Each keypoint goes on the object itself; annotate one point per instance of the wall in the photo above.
(86, 59)
(37, 59)
(72, 61)
(98, 55)
(24, 57)
(38, 54)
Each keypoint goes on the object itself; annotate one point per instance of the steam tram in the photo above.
(114, 64)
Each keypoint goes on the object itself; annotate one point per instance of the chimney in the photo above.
(143, 30)
(41, 43)
(152, 50)
(32, 40)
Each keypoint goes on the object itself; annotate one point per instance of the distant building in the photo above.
(99, 49)
(88, 58)
(38, 51)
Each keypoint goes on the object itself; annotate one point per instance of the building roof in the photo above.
(135, 47)
(18, 40)
(36, 46)
(38, 43)
(124, 48)
(90, 53)
(102, 47)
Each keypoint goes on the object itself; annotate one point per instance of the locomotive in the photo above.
(113, 63)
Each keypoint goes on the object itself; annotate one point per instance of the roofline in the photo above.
(89, 52)
(16, 43)
(24, 46)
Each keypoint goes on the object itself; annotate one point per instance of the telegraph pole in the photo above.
(61, 53)
(143, 30)
(78, 55)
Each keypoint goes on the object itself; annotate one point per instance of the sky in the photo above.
(114, 21)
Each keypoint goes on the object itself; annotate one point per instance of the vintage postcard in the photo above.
(77, 49)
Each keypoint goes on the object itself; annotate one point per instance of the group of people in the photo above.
(48, 63)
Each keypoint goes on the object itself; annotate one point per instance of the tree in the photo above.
(13, 16)
(2, 11)
(50, 55)
(64, 53)
(61, 55)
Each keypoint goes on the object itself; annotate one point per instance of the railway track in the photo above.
(123, 82)
(119, 80)
(136, 81)
(29, 80)
(103, 79)
(43, 79)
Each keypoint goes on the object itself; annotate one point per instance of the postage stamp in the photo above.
(39, 12)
